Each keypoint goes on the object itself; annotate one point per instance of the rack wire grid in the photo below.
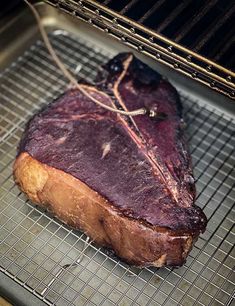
(198, 25)
(35, 247)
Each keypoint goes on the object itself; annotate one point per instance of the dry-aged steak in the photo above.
(127, 182)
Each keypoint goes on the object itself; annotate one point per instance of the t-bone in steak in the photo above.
(126, 181)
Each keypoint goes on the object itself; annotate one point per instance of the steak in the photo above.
(126, 181)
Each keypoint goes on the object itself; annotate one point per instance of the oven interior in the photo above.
(38, 253)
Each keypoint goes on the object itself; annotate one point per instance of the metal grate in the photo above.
(35, 246)
(114, 18)
(204, 26)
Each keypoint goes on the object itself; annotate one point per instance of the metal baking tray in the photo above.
(38, 253)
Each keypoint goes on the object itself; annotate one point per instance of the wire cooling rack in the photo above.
(36, 249)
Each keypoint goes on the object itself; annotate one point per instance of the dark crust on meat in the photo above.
(124, 78)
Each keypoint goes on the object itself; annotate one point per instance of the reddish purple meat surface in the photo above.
(140, 165)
